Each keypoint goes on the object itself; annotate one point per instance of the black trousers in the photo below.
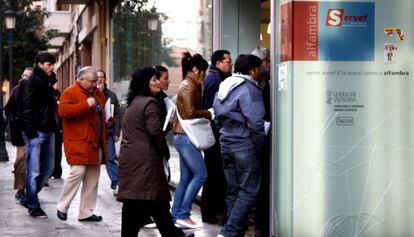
(263, 198)
(57, 171)
(213, 196)
(135, 214)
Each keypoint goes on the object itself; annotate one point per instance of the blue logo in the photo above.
(346, 31)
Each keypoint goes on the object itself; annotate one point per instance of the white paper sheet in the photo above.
(108, 112)
(169, 104)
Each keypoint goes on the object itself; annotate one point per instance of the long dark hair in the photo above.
(188, 62)
(159, 70)
(140, 83)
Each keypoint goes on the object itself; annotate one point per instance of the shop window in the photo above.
(157, 33)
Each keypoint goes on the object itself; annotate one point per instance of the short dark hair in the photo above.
(218, 55)
(245, 62)
(43, 57)
(139, 84)
(188, 62)
(159, 70)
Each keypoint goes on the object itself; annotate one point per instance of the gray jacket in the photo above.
(239, 113)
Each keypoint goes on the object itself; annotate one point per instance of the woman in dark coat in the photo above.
(143, 186)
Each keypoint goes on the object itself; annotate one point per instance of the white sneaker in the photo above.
(185, 225)
(115, 192)
(150, 226)
(220, 235)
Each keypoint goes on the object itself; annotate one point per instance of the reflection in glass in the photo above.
(157, 33)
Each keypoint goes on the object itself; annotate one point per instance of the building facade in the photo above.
(342, 76)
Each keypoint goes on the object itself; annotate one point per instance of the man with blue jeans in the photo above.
(113, 130)
(239, 113)
(37, 109)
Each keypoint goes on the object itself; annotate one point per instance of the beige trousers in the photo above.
(88, 175)
(20, 168)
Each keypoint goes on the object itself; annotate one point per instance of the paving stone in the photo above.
(15, 221)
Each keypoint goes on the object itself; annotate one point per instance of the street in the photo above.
(15, 221)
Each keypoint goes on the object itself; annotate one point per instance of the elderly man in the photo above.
(83, 118)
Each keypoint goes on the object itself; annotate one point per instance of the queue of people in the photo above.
(230, 172)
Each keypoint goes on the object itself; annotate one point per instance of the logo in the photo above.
(344, 121)
(334, 17)
(390, 52)
(337, 17)
(389, 31)
(329, 97)
(328, 31)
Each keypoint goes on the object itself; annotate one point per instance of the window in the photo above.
(145, 34)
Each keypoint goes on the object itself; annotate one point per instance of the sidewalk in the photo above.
(15, 221)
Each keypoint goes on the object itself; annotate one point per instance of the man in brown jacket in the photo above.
(83, 118)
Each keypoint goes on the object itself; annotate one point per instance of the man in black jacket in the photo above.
(13, 116)
(213, 197)
(38, 105)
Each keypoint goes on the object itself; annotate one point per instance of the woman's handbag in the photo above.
(198, 131)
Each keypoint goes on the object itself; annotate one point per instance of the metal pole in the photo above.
(11, 80)
(3, 151)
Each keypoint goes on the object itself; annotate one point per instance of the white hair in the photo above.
(262, 53)
(84, 71)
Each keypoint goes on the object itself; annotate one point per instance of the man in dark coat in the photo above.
(213, 197)
(13, 116)
(37, 108)
(113, 130)
(263, 214)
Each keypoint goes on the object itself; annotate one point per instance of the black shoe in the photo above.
(23, 203)
(188, 235)
(62, 216)
(92, 218)
(38, 213)
(19, 194)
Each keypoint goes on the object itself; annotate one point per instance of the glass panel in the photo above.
(344, 121)
(241, 26)
(157, 33)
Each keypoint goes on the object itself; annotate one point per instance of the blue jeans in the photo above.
(243, 177)
(111, 166)
(40, 162)
(193, 174)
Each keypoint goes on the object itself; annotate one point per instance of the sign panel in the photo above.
(328, 31)
(345, 118)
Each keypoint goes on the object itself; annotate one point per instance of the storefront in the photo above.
(158, 32)
(343, 109)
